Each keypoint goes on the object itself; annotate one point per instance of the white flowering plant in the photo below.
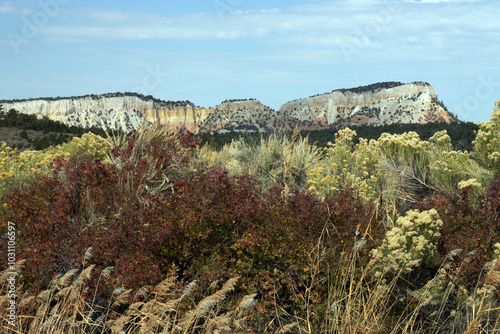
(412, 241)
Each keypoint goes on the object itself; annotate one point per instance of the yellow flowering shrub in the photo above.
(487, 142)
(469, 183)
(406, 148)
(411, 241)
(346, 165)
(476, 190)
(411, 165)
(16, 168)
(404, 162)
(89, 144)
(448, 168)
(11, 165)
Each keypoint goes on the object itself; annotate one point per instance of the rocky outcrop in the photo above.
(377, 104)
(248, 115)
(113, 112)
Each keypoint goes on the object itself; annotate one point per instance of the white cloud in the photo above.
(442, 1)
(309, 20)
(333, 32)
(7, 8)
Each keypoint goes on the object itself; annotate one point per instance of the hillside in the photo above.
(27, 132)
(377, 104)
(112, 111)
(246, 115)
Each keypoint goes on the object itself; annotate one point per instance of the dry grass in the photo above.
(277, 160)
(145, 138)
(66, 307)
(356, 302)
(359, 302)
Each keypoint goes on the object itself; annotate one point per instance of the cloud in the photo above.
(7, 8)
(334, 32)
(312, 20)
(442, 1)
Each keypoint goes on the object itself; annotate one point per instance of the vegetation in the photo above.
(462, 134)
(101, 96)
(133, 233)
(367, 88)
(238, 100)
(38, 133)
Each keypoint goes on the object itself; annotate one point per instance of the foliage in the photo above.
(65, 306)
(88, 144)
(420, 214)
(277, 159)
(346, 166)
(212, 226)
(54, 132)
(9, 167)
(461, 134)
(487, 142)
(413, 169)
(20, 168)
(411, 241)
(88, 202)
(470, 223)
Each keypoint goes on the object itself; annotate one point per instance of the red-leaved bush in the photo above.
(212, 225)
(472, 227)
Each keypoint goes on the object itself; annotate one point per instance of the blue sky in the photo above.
(211, 50)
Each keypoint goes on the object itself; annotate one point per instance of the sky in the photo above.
(207, 51)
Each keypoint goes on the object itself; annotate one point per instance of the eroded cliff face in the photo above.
(239, 116)
(377, 104)
(120, 112)
(405, 103)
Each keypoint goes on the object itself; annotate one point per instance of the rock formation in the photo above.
(377, 104)
(247, 115)
(382, 103)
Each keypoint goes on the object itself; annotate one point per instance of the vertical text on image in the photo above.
(11, 281)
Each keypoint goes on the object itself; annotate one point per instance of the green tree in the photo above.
(24, 135)
(13, 114)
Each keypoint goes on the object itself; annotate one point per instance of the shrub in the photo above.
(470, 223)
(79, 206)
(88, 144)
(116, 209)
(487, 142)
(411, 241)
(346, 165)
(273, 161)
(212, 226)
